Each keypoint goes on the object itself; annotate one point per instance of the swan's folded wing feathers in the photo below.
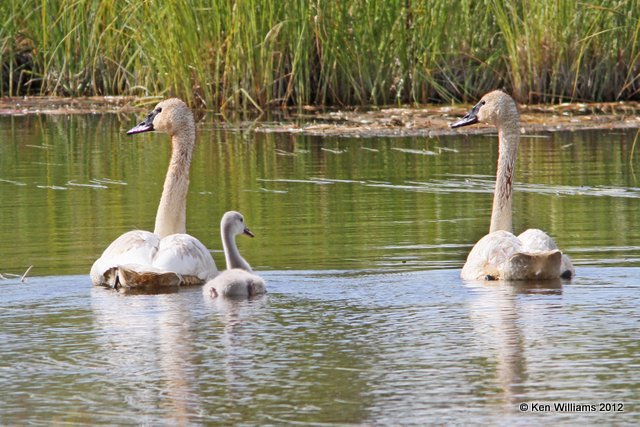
(133, 247)
(497, 247)
(186, 256)
(490, 254)
(535, 240)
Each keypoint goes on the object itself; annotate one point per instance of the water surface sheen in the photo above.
(322, 347)
(360, 241)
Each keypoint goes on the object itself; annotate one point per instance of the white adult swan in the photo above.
(167, 257)
(500, 255)
(238, 279)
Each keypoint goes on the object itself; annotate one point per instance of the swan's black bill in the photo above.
(144, 126)
(470, 118)
(249, 233)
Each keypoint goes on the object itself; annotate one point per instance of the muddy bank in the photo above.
(429, 120)
(434, 120)
(63, 105)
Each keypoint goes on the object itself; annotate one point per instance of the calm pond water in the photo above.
(360, 241)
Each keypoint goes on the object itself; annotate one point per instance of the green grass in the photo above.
(249, 54)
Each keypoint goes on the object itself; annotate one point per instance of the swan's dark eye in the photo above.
(159, 110)
(483, 102)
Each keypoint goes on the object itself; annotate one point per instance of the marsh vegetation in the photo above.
(264, 54)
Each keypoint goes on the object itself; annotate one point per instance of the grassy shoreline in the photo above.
(237, 55)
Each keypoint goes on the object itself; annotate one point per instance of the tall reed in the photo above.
(265, 53)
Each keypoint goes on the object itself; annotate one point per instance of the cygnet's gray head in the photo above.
(233, 222)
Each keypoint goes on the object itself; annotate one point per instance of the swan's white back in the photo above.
(184, 255)
(133, 247)
(490, 255)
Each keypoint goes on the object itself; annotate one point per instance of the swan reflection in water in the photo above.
(148, 344)
(497, 311)
(235, 338)
(160, 351)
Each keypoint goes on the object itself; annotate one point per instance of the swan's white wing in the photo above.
(490, 254)
(185, 255)
(534, 240)
(133, 247)
(235, 283)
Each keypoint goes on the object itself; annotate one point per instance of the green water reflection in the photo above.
(70, 184)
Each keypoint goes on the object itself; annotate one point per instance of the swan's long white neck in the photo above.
(172, 211)
(231, 252)
(509, 138)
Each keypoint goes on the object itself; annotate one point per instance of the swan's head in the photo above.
(494, 108)
(170, 116)
(233, 222)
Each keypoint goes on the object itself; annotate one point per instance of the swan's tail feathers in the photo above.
(131, 277)
(108, 279)
(134, 277)
(534, 266)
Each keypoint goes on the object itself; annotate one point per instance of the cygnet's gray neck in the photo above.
(231, 252)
